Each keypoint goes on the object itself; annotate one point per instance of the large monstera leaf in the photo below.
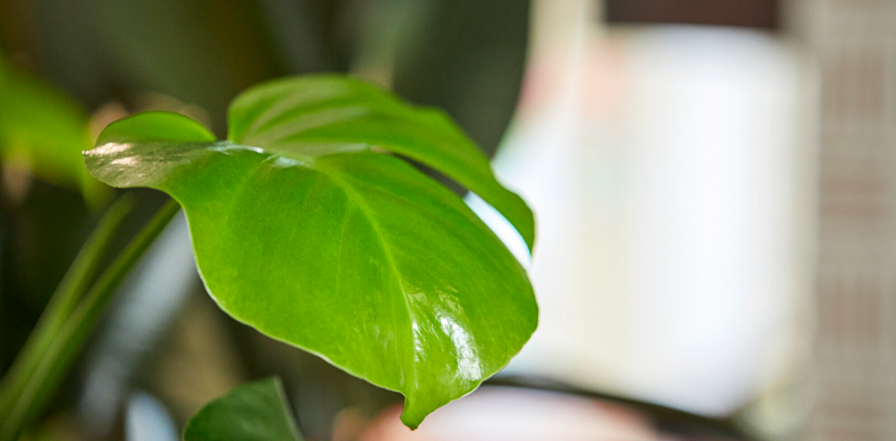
(308, 227)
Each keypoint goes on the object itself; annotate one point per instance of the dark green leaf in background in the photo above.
(467, 58)
(305, 228)
(256, 411)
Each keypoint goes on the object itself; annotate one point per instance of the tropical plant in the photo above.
(309, 224)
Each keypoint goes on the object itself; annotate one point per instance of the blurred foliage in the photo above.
(41, 236)
(43, 131)
(469, 63)
(464, 56)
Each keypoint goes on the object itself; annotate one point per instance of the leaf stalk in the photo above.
(71, 315)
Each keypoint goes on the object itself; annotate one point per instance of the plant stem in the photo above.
(69, 340)
(70, 290)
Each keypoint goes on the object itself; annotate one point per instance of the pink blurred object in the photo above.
(505, 413)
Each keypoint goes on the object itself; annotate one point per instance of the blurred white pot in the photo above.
(672, 171)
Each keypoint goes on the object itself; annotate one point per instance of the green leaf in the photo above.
(256, 411)
(307, 232)
(46, 131)
(328, 111)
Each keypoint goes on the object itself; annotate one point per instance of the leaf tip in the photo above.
(411, 421)
(156, 126)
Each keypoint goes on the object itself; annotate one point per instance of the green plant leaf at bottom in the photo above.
(333, 246)
(256, 411)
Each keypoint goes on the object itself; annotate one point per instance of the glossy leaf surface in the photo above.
(256, 411)
(304, 229)
(324, 114)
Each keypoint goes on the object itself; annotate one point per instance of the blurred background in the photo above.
(713, 181)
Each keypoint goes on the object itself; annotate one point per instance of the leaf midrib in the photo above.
(334, 175)
(353, 195)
